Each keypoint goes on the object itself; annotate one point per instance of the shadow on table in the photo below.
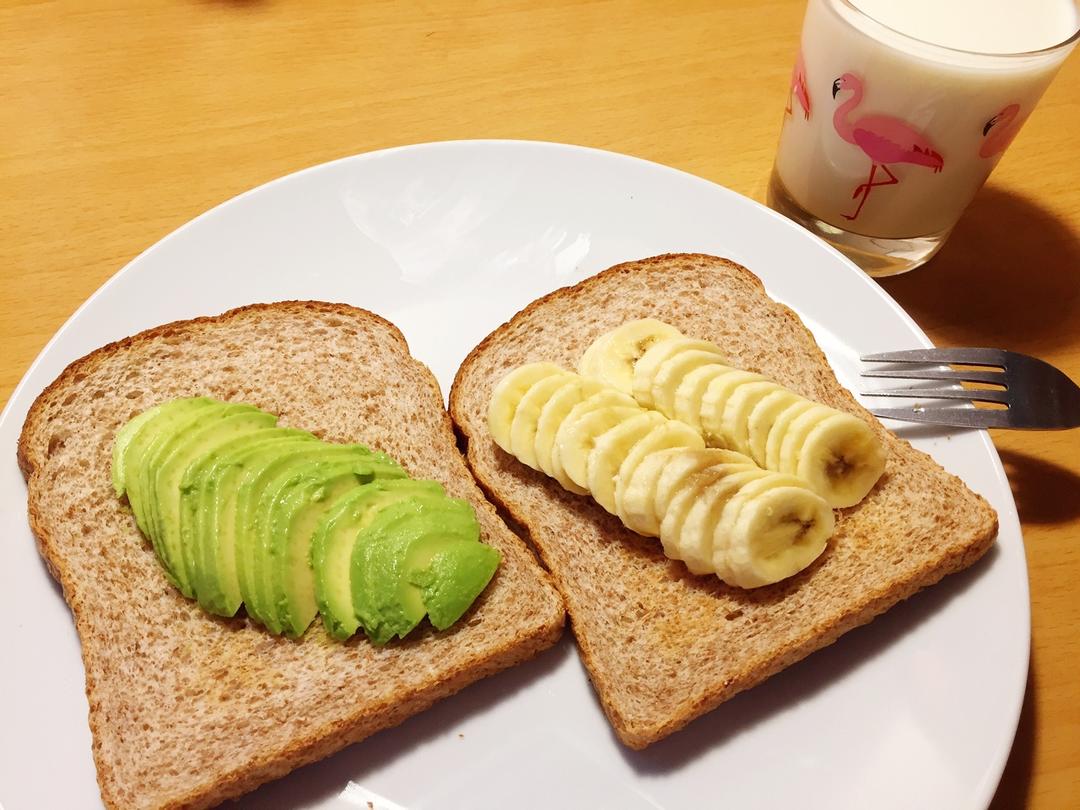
(1044, 492)
(1009, 277)
(1014, 791)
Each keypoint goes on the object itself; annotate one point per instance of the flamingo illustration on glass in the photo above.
(884, 139)
(1000, 130)
(798, 88)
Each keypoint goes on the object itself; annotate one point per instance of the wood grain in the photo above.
(120, 121)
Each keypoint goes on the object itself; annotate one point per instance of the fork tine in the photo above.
(971, 356)
(991, 377)
(954, 417)
(972, 394)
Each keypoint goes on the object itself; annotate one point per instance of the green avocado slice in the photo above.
(451, 578)
(216, 523)
(196, 507)
(155, 454)
(138, 446)
(383, 600)
(211, 429)
(252, 547)
(120, 445)
(293, 523)
(332, 546)
(280, 478)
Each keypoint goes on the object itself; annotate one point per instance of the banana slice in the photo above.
(779, 429)
(722, 538)
(762, 417)
(555, 410)
(612, 357)
(590, 365)
(682, 471)
(648, 366)
(672, 372)
(527, 414)
(735, 422)
(577, 437)
(842, 459)
(507, 395)
(606, 397)
(775, 535)
(694, 539)
(637, 499)
(797, 431)
(666, 435)
(715, 399)
(691, 391)
(612, 449)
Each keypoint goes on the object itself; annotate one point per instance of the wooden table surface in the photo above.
(121, 121)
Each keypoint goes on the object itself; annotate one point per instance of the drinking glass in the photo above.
(886, 138)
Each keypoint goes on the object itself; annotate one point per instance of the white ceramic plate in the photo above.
(449, 240)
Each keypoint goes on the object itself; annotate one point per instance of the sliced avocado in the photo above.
(195, 505)
(378, 577)
(156, 452)
(451, 578)
(280, 477)
(211, 429)
(215, 533)
(120, 444)
(332, 546)
(293, 523)
(169, 417)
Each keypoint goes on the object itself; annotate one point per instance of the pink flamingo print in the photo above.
(798, 87)
(999, 131)
(883, 138)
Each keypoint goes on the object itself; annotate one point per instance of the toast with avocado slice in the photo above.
(662, 645)
(188, 709)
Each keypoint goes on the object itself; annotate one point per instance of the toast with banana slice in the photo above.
(662, 644)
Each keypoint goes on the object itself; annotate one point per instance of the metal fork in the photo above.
(1036, 395)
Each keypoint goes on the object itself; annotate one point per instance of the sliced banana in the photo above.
(691, 391)
(508, 393)
(577, 437)
(841, 459)
(683, 470)
(523, 426)
(694, 539)
(762, 417)
(575, 391)
(796, 432)
(775, 535)
(636, 499)
(735, 422)
(671, 373)
(665, 435)
(779, 430)
(716, 397)
(607, 397)
(612, 357)
(648, 366)
(611, 450)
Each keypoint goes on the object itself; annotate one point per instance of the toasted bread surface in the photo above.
(661, 645)
(187, 709)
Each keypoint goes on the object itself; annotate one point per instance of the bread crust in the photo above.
(141, 760)
(764, 637)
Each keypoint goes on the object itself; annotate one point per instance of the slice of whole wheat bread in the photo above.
(187, 709)
(661, 645)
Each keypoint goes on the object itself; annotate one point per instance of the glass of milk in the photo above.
(899, 109)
